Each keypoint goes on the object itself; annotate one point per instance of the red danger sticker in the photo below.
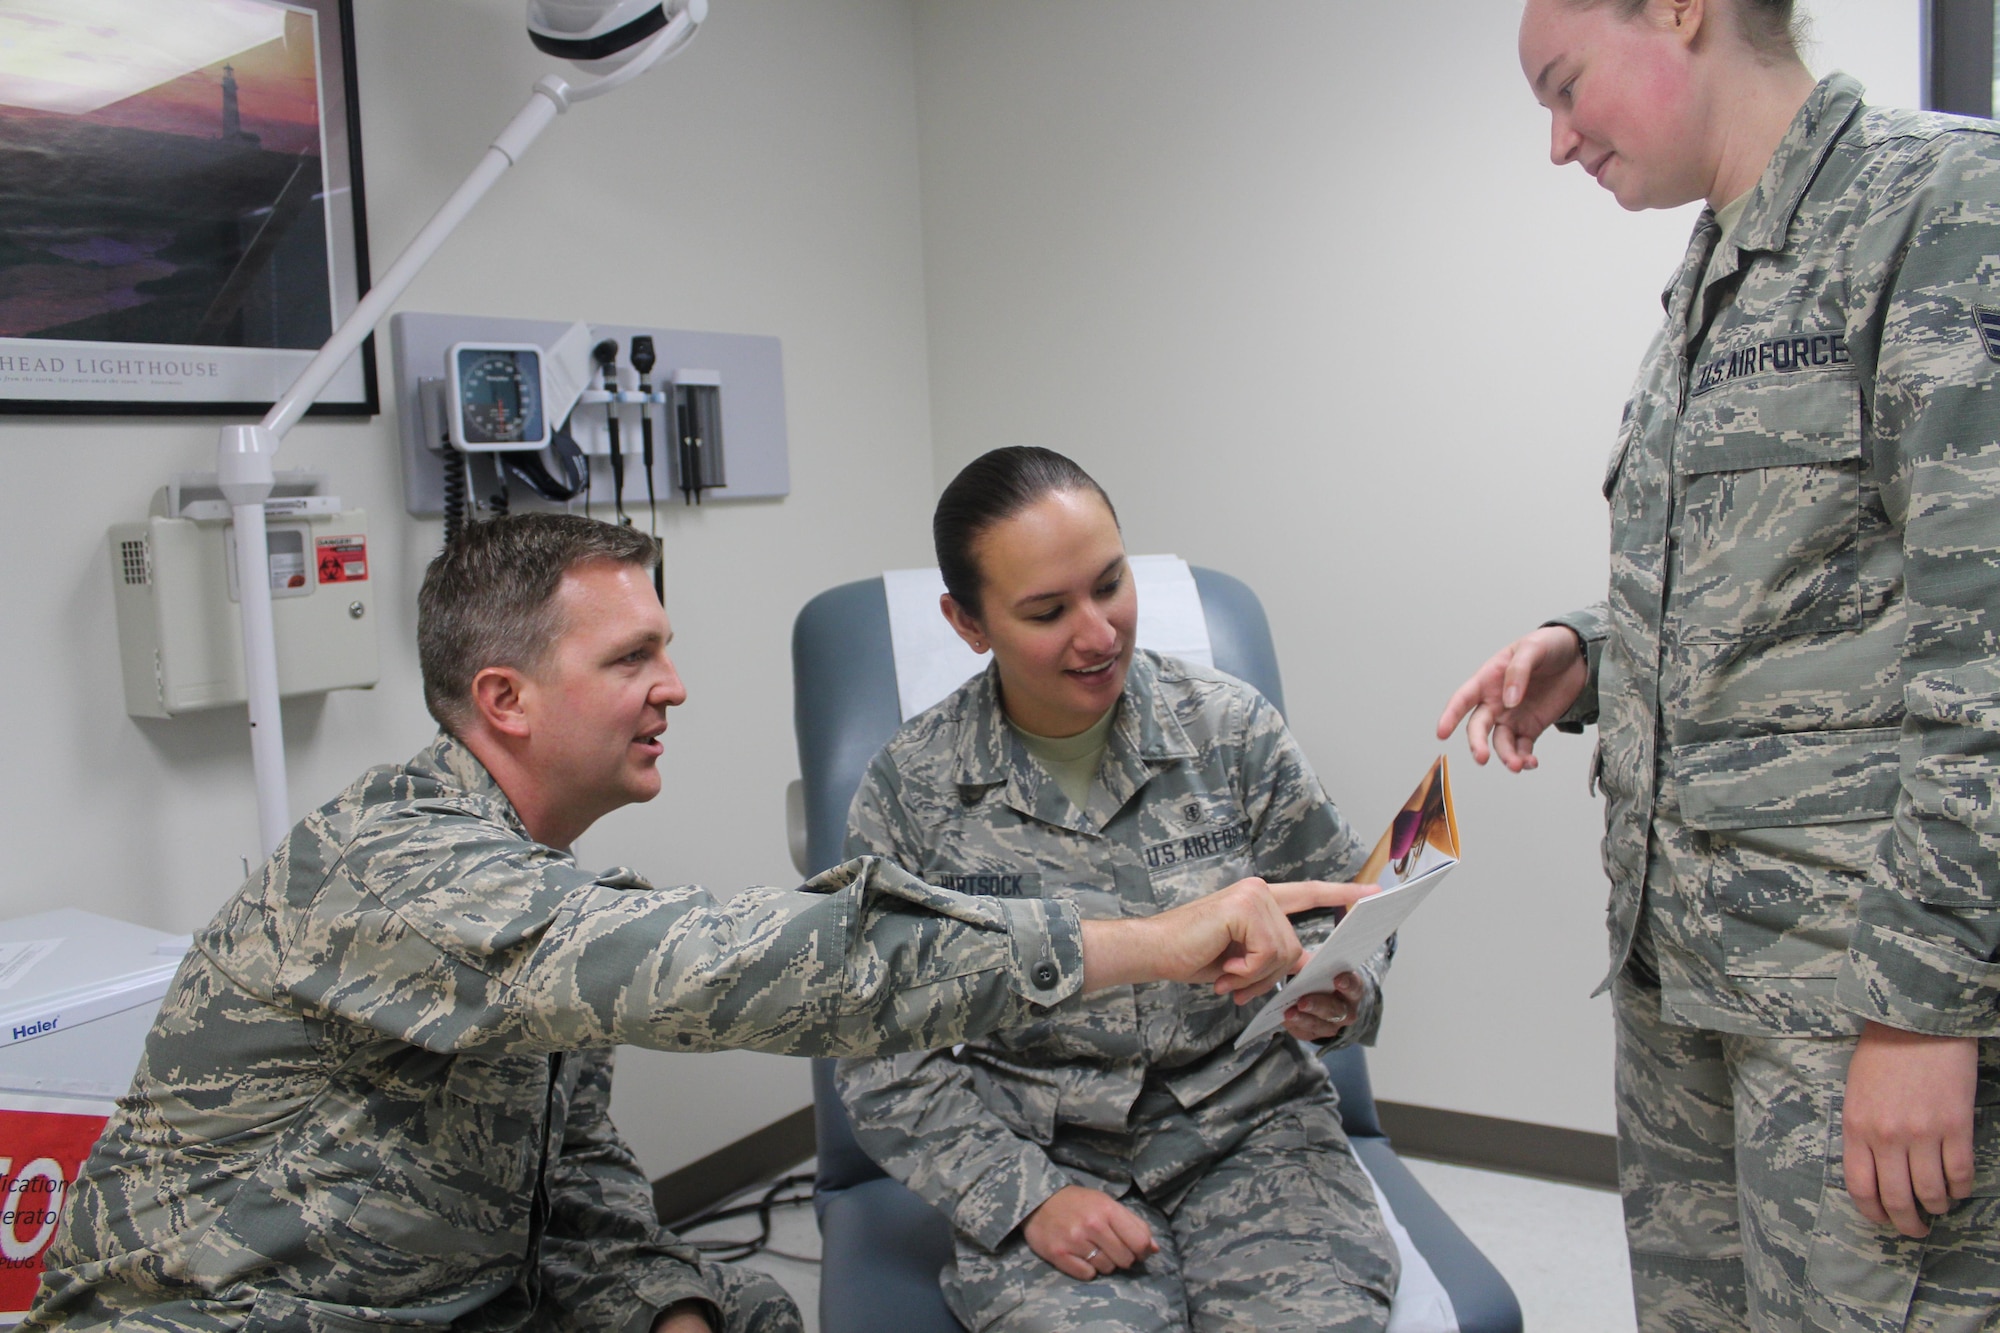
(343, 559)
(41, 1154)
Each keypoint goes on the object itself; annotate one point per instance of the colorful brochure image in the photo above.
(1421, 844)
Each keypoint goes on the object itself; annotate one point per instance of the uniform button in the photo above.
(1045, 975)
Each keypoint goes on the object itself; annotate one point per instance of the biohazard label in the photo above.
(41, 1154)
(343, 559)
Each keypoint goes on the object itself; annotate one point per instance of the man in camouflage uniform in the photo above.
(376, 1095)
(1234, 1160)
(1795, 685)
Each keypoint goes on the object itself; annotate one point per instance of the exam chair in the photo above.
(881, 1246)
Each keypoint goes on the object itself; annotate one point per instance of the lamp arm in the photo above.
(244, 454)
(551, 98)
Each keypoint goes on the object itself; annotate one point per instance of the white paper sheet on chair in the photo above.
(1422, 1305)
(932, 661)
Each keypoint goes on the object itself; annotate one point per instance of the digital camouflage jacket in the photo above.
(1201, 786)
(1796, 677)
(376, 1095)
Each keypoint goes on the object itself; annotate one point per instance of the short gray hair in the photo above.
(488, 600)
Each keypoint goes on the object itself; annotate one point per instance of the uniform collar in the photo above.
(1144, 735)
(1779, 193)
(1781, 190)
(449, 763)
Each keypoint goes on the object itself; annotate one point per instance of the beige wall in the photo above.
(1290, 275)
(1296, 281)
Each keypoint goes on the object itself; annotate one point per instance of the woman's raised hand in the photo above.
(1517, 695)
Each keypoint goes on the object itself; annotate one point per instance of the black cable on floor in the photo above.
(732, 1251)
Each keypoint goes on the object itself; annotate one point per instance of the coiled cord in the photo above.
(454, 494)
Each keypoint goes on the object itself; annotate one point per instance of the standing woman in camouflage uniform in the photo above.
(1794, 678)
(1120, 1166)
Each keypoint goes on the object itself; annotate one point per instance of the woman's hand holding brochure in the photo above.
(1421, 844)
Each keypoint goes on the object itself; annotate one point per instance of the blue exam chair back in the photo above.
(881, 1246)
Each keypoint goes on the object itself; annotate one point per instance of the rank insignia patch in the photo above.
(1988, 320)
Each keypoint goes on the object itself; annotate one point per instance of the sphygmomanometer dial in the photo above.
(497, 397)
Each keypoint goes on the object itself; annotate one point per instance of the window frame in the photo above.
(1958, 56)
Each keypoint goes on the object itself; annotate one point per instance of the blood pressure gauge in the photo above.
(497, 396)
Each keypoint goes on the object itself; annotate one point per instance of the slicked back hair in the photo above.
(488, 599)
(992, 488)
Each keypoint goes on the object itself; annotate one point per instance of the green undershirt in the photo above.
(1072, 761)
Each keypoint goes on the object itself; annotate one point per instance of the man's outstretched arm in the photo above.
(864, 959)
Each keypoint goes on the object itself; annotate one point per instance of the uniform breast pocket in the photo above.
(1768, 526)
(453, 1194)
(1793, 826)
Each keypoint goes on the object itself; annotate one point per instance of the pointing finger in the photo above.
(1308, 895)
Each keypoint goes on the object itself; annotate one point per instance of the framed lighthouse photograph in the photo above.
(181, 213)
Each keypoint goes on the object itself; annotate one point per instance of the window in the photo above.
(1959, 56)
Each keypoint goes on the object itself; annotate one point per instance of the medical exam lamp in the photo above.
(616, 40)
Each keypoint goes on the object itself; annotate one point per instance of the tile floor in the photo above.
(1561, 1247)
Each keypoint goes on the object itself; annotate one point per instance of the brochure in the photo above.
(1420, 846)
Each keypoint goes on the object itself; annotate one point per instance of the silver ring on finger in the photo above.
(1092, 1255)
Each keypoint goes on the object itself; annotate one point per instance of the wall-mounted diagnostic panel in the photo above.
(601, 418)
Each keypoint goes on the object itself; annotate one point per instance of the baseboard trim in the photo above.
(733, 1168)
(1573, 1156)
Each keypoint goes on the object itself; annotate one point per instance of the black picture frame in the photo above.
(1958, 57)
(240, 302)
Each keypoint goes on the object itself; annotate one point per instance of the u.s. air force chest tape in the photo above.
(77, 996)
(1786, 354)
(932, 661)
(1201, 845)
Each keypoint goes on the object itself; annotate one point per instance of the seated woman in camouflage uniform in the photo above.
(1122, 1166)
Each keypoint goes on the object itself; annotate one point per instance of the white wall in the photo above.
(1268, 278)
(765, 182)
(1296, 281)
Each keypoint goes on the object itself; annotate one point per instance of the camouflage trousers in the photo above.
(1282, 1234)
(1736, 1205)
(752, 1301)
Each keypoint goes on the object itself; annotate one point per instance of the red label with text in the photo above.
(41, 1153)
(343, 559)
